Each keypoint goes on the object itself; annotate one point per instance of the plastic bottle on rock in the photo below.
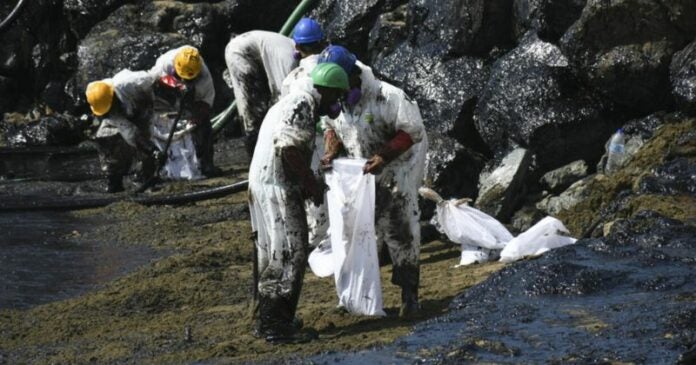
(616, 152)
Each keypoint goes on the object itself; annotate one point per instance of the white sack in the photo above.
(321, 261)
(469, 226)
(182, 162)
(473, 255)
(351, 202)
(548, 234)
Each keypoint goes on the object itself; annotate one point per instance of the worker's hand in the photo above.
(325, 162)
(314, 191)
(374, 165)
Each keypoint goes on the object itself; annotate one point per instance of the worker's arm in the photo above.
(332, 147)
(401, 142)
(299, 172)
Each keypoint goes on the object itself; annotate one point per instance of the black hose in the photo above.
(13, 15)
(72, 203)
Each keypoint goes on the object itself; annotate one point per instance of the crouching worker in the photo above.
(280, 180)
(187, 66)
(123, 104)
(381, 124)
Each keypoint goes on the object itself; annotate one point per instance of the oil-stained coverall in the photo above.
(258, 62)
(199, 107)
(383, 118)
(317, 216)
(276, 204)
(124, 131)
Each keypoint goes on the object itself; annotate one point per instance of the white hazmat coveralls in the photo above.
(317, 216)
(276, 205)
(124, 129)
(258, 61)
(364, 129)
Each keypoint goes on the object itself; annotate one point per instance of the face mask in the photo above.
(297, 55)
(354, 96)
(334, 110)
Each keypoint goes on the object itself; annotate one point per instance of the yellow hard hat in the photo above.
(188, 63)
(100, 95)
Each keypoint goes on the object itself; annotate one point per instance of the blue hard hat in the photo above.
(307, 31)
(339, 55)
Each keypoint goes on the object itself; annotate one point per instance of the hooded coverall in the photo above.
(258, 61)
(199, 106)
(124, 130)
(276, 205)
(317, 216)
(364, 129)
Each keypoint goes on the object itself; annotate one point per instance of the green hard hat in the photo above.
(330, 75)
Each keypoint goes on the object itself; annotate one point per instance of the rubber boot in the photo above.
(277, 325)
(114, 184)
(409, 302)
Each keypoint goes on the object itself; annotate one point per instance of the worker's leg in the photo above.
(281, 225)
(397, 224)
(115, 158)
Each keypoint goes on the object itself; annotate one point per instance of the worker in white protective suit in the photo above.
(123, 104)
(258, 62)
(280, 180)
(187, 66)
(317, 216)
(380, 123)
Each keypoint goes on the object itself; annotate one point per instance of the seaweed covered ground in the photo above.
(194, 303)
(625, 294)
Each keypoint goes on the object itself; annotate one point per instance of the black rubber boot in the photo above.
(114, 184)
(409, 302)
(276, 324)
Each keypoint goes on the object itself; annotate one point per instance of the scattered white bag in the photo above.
(477, 232)
(353, 254)
(469, 226)
(182, 162)
(547, 234)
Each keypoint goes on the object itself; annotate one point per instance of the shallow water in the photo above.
(41, 260)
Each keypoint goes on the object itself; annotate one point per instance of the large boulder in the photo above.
(446, 92)
(683, 77)
(499, 189)
(82, 15)
(623, 49)
(349, 22)
(559, 179)
(461, 27)
(440, 62)
(33, 52)
(532, 100)
(549, 18)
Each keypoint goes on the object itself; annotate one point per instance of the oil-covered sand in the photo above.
(194, 304)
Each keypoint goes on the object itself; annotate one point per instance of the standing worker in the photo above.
(380, 123)
(258, 62)
(280, 180)
(123, 104)
(187, 66)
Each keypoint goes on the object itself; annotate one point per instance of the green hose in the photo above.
(221, 119)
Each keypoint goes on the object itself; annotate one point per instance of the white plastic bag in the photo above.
(182, 162)
(351, 202)
(547, 234)
(469, 226)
